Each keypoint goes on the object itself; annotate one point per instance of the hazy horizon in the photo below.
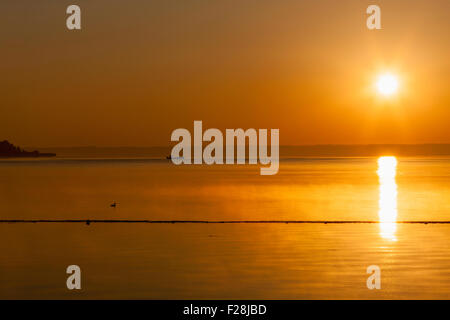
(281, 145)
(342, 150)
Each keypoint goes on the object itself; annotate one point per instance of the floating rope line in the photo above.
(89, 221)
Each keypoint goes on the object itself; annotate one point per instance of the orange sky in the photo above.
(139, 69)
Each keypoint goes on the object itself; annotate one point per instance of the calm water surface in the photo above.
(270, 261)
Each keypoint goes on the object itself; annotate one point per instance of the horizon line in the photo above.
(285, 145)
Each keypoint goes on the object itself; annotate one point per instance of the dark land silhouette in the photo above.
(8, 150)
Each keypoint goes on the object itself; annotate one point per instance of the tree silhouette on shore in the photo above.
(7, 149)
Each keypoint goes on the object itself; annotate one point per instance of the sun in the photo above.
(387, 84)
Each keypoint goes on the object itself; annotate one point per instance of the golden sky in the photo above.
(139, 69)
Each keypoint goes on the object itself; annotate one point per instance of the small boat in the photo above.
(170, 158)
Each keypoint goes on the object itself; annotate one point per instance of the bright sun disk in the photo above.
(387, 84)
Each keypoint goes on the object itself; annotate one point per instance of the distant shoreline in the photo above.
(39, 155)
(371, 150)
(8, 150)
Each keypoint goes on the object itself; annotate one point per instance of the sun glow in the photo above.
(387, 84)
(387, 170)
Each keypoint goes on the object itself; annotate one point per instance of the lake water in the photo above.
(226, 261)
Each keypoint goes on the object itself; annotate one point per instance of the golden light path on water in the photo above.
(387, 170)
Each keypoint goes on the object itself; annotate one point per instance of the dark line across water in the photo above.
(88, 221)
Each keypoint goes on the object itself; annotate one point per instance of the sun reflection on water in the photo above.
(387, 170)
